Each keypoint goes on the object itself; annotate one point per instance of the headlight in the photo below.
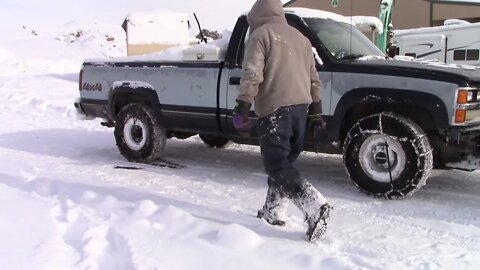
(468, 105)
(470, 96)
(467, 95)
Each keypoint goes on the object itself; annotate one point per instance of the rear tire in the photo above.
(138, 135)
(409, 160)
(215, 141)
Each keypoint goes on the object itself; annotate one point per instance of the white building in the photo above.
(154, 31)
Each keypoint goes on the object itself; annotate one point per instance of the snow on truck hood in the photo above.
(469, 73)
(434, 63)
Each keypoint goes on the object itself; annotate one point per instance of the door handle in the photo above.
(234, 81)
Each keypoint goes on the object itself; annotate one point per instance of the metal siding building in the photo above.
(406, 13)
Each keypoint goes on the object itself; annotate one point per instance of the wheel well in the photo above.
(120, 100)
(417, 114)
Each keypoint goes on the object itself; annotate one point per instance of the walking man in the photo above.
(279, 75)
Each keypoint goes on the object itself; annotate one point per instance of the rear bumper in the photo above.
(91, 108)
(463, 148)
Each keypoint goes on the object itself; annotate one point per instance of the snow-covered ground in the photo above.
(65, 205)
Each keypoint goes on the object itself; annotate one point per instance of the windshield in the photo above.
(343, 41)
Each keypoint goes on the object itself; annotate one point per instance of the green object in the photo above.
(386, 9)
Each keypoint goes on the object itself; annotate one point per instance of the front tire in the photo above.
(387, 156)
(138, 135)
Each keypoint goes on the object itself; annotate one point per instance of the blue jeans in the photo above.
(281, 142)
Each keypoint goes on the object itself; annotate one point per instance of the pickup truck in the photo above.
(393, 121)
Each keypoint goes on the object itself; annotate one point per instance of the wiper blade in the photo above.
(352, 56)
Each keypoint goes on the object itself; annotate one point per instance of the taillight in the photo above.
(80, 78)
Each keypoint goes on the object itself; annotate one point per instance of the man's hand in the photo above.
(315, 122)
(240, 119)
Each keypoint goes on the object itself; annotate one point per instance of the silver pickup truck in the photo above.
(393, 121)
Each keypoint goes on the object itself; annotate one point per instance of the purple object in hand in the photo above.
(242, 123)
(240, 120)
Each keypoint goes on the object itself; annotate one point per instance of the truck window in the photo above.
(472, 55)
(459, 55)
(241, 50)
(465, 55)
(247, 34)
(343, 41)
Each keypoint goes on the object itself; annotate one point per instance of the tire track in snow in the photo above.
(379, 216)
(415, 229)
(367, 241)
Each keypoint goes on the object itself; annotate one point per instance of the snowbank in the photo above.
(5, 54)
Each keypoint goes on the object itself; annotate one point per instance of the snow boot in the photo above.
(275, 206)
(317, 223)
(315, 209)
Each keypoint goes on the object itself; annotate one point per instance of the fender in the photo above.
(138, 91)
(393, 97)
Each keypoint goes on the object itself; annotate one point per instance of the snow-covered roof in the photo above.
(434, 29)
(153, 27)
(364, 23)
(315, 13)
(155, 16)
(455, 22)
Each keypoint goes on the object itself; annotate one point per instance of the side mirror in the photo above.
(317, 57)
(392, 51)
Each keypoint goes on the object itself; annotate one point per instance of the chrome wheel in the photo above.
(135, 134)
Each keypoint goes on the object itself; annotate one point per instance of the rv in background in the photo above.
(456, 42)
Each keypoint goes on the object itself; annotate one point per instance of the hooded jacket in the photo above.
(278, 67)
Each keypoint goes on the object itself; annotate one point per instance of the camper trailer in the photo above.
(456, 42)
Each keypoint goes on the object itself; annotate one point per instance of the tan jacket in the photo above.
(278, 67)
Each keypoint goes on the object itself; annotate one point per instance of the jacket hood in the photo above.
(265, 11)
